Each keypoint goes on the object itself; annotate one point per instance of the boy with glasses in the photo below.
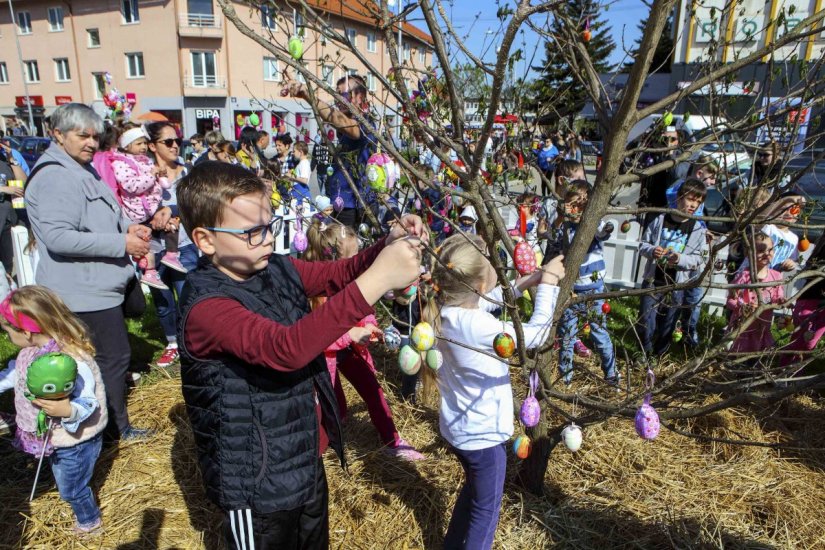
(255, 383)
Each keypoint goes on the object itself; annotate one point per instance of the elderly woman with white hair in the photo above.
(85, 241)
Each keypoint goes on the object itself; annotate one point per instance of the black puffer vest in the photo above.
(256, 428)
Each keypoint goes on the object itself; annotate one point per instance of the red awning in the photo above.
(505, 119)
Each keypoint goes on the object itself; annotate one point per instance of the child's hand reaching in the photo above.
(397, 266)
(361, 335)
(554, 271)
(59, 408)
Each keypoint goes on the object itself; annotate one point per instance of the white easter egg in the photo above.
(572, 437)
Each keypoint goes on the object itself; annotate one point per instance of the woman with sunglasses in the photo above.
(164, 144)
(84, 244)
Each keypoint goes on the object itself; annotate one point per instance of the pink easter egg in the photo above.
(530, 411)
(647, 420)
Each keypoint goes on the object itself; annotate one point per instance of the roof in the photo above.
(363, 11)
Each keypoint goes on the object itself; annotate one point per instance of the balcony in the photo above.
(195, 85)
(199, 25)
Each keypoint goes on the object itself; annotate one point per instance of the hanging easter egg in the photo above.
(587, 35)
(392, 338)
(377, 178)
(382, 172)
(606, 308)
(331, 135)
(625, 227)
(677, 332)
(530, 411)
(410, 291)
(522, 447)
(647, 420)
(524, 258)
(330, 170)
(299, 120)
(804, 244)
(389, 296)
(795, 210)
(364, 230)
(409, 360)
(572, 437)
(667, 118)
(296, 47)
(254, 120)
(504, 345)
(417, 204)
(338, 204)
(586, 329)
(239, 120)
(299, 241)
(423, 336)
(434, 359)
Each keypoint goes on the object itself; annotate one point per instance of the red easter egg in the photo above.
(524, 258)
(606, 308)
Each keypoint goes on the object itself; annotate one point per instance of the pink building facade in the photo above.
(182, 59)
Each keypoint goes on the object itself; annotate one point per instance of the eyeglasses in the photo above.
(255, 236)
(169, 142)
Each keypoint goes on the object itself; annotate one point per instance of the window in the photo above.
(371, 42)
(268, 18)
(352, 72)
(56, 19)
(93, 38)
(129, 11)
(299, 22)
(352, 36)
(61, 69)
(327, 72)
(24, 22)
(370, 82)
(99, 84)
(406, 52)
(4, 73)
(271, 70)
(299, 77)
(32, 71)
(134, 65)
(422, 55)
(203, 70)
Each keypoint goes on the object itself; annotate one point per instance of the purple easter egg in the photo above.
(530, 411)
(299, 241)
(647, 420)
(338, 204)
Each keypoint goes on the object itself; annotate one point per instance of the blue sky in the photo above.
(623, 15)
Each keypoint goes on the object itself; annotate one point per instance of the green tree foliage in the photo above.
(558, 95)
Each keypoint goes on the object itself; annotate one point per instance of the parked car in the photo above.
(32, 147)
(12, 141)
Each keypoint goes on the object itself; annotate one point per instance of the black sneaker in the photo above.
(614, 382)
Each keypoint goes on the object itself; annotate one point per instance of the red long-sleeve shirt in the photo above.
(217, 326)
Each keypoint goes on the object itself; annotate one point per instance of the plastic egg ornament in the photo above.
(364, 230)
(606, 308)
(647, 420)
(410, 291)
(423, 336)
(522, 446)
(804, 244)
(254, 120)
(504, 345)
(299, 241)
(381, 172)
(434, 359)
(524, 258)
(338, 204)
(572, 437)
(330, 170)
(409, 360)
(389, 296)
(625, 227)
(392, 338)
(530, 411)
(296, 47)
(586, 329)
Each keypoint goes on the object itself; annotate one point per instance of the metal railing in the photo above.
(199, 20)
(204, 81)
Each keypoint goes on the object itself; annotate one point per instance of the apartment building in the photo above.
(181, 59)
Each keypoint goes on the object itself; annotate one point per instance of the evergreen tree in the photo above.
(663, 57)
(557, 94)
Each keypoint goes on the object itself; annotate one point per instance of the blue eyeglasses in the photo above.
(255, 236)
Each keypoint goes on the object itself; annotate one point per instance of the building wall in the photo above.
(167, 41)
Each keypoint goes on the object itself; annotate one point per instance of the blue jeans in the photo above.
(72, 468)
(658, 313)
(476, 511)
(690, 315)
(568, 333)
(166, 300)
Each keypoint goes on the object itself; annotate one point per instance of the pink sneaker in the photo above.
(172, 260)
(405, 451)
(581, 350)
(170, 355)
(151, 278)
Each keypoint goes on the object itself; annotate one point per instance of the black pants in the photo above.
(350, 216)
(304, 528)
(108, 330)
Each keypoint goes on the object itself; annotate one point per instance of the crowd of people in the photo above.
(112, 207)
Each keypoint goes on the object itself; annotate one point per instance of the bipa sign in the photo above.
(207, 113)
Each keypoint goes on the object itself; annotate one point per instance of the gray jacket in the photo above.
(691, 259)
(81, 234)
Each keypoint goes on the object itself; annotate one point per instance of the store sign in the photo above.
(207, 113)
(26, 100)
(706, 30)
(131, 98)
(62, 99)
(747, 28)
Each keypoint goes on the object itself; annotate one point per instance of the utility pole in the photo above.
(22, 70)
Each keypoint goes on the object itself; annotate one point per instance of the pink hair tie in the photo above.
(20, 321)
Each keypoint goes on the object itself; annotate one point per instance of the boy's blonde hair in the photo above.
(302, 147)
(54, 318)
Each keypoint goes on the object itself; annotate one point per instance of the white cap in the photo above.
(469, 212)
(322, 203)
(131, 135)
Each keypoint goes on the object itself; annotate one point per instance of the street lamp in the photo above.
(22, 68)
